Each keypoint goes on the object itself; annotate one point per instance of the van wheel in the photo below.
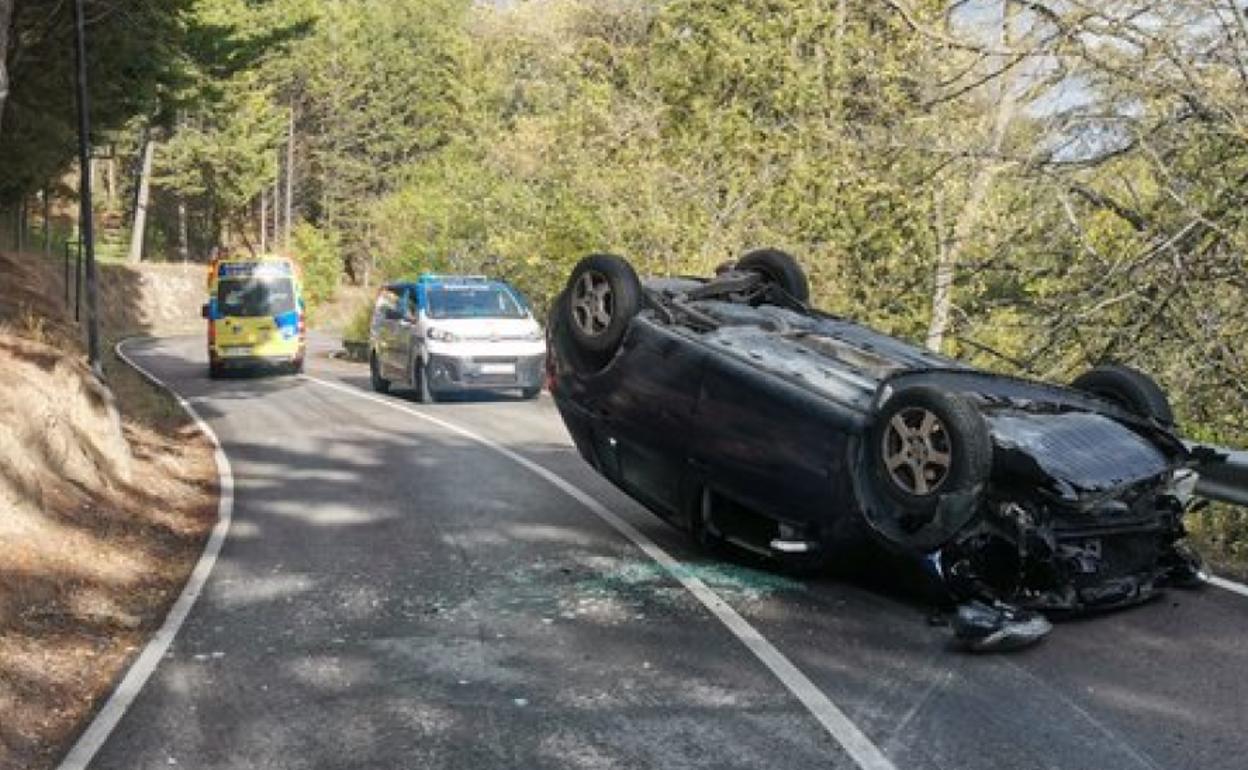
(529, 394)
(380, 384)
(420, 380)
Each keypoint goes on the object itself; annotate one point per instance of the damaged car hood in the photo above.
(1073, 456)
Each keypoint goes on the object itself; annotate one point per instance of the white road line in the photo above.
(1229, 585)
(84, 750)
(866, 754)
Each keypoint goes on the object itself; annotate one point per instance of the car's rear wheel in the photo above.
(380, 384)
(927, 444)
(603, 295)
(215, 371)
(1129, 388)
(530, 393)
(780, 268)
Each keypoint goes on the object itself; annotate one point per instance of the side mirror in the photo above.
(393, 314)
(206, 311)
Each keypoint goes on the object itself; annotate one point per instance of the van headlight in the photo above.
(441, 335)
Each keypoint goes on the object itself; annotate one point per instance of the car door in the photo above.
(397, 326)
(764, 443)
(648, 415)
(407, 334)
(383, 328)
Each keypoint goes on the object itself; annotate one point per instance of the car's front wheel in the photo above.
(927, 444)
(380, 384)
(530, 393)
(603, 295)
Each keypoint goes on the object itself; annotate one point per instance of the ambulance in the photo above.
(255, 315)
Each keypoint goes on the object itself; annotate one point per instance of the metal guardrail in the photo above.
(1225, 480)
(1223, 476)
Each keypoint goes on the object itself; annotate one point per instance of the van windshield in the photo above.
(473, 302)
(255, 297)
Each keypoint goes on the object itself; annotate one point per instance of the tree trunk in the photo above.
(950, 251)
(264, 220)
(6, 18)
(47, 222)
(290, 175)
(110, 179)
(184, 241)
(139, 232)
(277, 203)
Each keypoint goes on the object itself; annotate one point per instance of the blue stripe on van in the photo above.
(288, 323)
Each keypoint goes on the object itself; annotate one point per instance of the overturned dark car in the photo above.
(732, 409)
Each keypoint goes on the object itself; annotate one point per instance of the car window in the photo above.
(255, 297)
(410, 309)
(386, 300)
(473, 302)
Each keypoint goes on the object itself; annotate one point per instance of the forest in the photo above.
(1032, 185)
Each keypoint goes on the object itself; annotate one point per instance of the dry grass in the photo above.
(107, 494)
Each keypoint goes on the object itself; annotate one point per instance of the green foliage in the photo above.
(129, 74)
(358, 325)
(317, 253)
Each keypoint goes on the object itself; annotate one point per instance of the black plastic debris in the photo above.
(997, 627)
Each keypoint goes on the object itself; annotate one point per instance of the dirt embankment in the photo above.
(106, 494)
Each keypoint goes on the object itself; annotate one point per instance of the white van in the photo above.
(442, 334)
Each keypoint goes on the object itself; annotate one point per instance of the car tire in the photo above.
(779, 268)
(296, 366)
(420, 381)
(380, 384)
(603, 294)
(528, 394)
(926, 444)
(1129, 388)
(215, 371)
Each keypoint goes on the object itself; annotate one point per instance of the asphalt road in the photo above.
(394, 595)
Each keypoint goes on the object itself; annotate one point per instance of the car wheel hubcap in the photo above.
(917, 451)
(593, 304)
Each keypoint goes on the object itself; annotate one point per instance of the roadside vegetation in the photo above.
(106, 495)
(1035, 186)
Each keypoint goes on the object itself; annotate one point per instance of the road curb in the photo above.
(140, 670)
